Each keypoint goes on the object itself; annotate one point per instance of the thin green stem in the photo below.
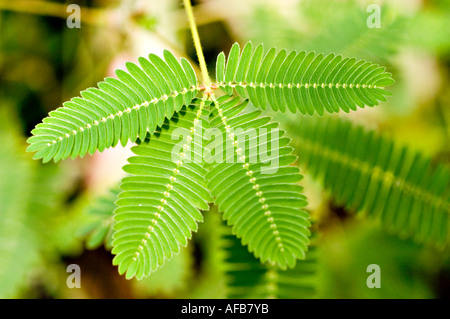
(197, 44)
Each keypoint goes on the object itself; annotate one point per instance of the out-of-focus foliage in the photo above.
(16, 234)
(406, 269)
(341, 27)
(172, 280)
(98, 222)
(31, 198)
(364, 171)
(247, 277)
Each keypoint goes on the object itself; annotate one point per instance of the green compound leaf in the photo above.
(304, 81)
(171, 180)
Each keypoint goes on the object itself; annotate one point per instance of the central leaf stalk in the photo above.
(198, 46)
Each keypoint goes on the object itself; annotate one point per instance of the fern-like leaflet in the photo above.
(119, 110)
(264, 209)
(304, 81)
(158, 207)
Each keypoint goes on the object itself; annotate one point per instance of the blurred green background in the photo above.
(48, 218)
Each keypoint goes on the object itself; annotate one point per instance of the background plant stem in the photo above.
(45, 8)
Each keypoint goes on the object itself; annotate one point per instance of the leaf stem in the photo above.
(198, 46)
(46, 8)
